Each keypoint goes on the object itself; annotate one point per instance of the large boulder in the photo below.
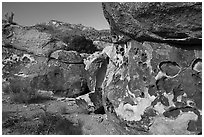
(62, 73)
(153, 83)
(149, 86)
(30, 40)
(156, 21)
(41, 57)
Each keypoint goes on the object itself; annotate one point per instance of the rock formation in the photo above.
(37, 57)
(153, 81)
(146, 72)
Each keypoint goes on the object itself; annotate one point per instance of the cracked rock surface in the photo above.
(174, 22)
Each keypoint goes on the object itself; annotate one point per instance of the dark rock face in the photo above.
(156, 21)
(153, 82)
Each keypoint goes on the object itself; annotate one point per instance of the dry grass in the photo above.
(42, 124)
(21, 92)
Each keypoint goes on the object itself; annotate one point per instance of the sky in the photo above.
(30, 13)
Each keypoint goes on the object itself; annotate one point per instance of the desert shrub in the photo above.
(28, 97)
(21, 97)
(44, 124)
(66, 127)
(21, 92)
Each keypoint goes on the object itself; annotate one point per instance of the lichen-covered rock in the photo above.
(143, 87)
(96, 66)
(156, 21)
(153, 82)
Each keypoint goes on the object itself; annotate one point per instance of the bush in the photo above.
(45, 124)
(21, 92)
(24, 96)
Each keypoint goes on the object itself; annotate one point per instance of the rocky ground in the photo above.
(53, 116)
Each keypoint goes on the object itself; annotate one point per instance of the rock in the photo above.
(70, 57)
(84, 55)
(60, 74)
(67, 79)
(148, 75)
(30, 40)
(94, 64)
(156, 21)
(77, 37)
(101, 44)
(153, 82)
(13, 60)
(70, 30)
(91, 102)
(38, 56)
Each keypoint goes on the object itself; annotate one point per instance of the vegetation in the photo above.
(20, 92)
(42, 124)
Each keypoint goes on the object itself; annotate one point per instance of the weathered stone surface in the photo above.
(153, 76)
(153, 82)
(38, 55)
(61, 74)
(94, 64)
(71, 57)
(156, 21)
(30, 40)
(70, 79)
